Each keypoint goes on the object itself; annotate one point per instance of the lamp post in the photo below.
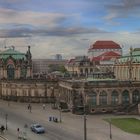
(6, 117)
(60, 113)
(85, 127)
(110, 131)
(85, 119)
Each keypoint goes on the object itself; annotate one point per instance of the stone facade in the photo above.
(17, 83)
(128, 66)
(99, 96)
(29, 90)
(80, 66)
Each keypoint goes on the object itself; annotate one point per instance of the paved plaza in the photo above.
(97, 128)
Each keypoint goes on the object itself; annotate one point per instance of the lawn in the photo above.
(130, 125)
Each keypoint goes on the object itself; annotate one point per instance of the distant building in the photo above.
(15, 65)
(41, 66)
(100, 48)
(104, 54)
(80, 65)
(58, 57)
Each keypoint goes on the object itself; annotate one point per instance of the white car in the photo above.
(37, 128)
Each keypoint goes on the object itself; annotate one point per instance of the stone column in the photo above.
(130, 97)
(97, 98)
(120, 99)
(109, 98)
(5, 73)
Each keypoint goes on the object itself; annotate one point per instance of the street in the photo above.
(71, 128)
(17, 118)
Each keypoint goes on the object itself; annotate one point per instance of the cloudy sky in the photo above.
(68, 27)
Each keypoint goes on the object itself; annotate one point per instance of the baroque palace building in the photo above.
(128, 67)
(103, 92)
(98, 92)
(80, 66)
(15, 65)
(17, 83)
(100, 95)
(101, 57)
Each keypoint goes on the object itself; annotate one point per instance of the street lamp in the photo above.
(60, 107)
(6, 117)
(60, 115)
(85, 126)
(110, 131)
(85, 119)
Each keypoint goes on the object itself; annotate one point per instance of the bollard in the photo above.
(54, 119)
(50, 118)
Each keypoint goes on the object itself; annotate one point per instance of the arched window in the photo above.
(86, 71)
(114, 98)
(103, 98)
(125, 97)
(10, 71)
(92, 99)
(91, 70)
(135, 96)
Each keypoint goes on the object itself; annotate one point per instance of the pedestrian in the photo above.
(29, 106)
(18, 132)
(2, 129)
(17, 129)
(43, 106)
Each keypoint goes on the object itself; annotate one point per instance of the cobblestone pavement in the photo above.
(97, 128)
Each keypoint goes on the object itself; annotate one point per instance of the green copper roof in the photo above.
(13, 53)
(135, 56)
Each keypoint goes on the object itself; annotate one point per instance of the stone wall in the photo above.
(29, 90)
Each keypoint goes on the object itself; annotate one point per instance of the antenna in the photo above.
(4, 43)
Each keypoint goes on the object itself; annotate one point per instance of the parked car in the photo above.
(37, 128)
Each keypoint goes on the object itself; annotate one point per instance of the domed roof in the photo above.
(13, 53)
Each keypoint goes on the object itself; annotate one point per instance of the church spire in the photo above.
(28, 54)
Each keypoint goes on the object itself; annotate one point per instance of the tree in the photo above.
(55, 67)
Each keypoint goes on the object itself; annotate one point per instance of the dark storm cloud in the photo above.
(12, 33)
(27, 32)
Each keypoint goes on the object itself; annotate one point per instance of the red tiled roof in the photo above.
(71, 61)
(106, 56)
(105, 45)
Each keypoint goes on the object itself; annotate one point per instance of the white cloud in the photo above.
(122, 9)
